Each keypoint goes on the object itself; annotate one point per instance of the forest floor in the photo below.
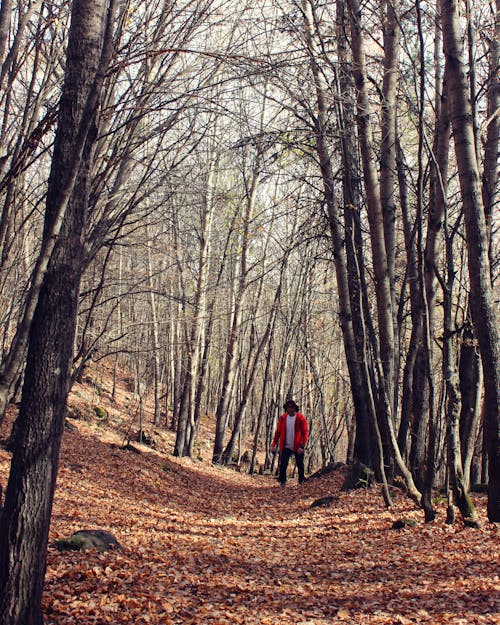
(203, 545)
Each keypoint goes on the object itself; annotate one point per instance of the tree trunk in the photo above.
(391, 34)
(490, 167)
(471, 378)
(457, 480)
(155, 339)
(361, 405)
(231, 360)
(374, 206)
(186, 410)
(228, 452)
(407, 398)
(24, 523)
(484, 313)
(352, 195)
(5, 15)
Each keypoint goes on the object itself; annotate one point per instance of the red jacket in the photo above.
(301, 431)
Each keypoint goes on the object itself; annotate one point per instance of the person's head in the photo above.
(290, 407)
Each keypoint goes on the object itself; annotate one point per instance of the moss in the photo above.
(101, 540)
(440, 499)
(100, 412)
(73, 543)
(468, 510)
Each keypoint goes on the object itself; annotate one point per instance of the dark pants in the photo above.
(299, 461)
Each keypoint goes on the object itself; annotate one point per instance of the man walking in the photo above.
(291, 433)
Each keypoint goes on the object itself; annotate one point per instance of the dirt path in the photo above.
(203, 545)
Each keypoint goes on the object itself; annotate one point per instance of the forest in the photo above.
(232, 204)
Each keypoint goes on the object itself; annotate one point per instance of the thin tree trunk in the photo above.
(261, 412)
(231, 360)
(484, 313)
(425, 377)
(374, 205)
(458, 482)
(391, 35)
(415, 305)
(186, 419)
(228, 452)
(155, 339)
(489, 189)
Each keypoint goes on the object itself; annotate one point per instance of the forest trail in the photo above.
(205, 545)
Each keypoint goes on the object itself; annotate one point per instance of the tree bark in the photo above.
(352, 195)
(484, 313)
(24, 523)
(5, 15)
(374, 206)
(361, 404)
(491, 164)
(195, 346)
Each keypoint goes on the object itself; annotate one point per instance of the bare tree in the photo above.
(484, 312)
(25, 518)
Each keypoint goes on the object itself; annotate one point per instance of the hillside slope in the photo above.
(205, 545)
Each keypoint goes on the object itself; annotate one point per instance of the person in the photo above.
(291, 434)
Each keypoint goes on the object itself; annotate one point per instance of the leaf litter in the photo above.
(206, 545)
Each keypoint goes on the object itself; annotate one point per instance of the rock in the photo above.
(358, 476)
(129, 447)
(333, 466)
(70, 427)
(325, 502)
(145, 438)
(101, 413)
(402, 523)
(246, 458)
(101, 540)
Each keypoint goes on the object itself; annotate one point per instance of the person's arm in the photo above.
(304, 433)
(276, 435)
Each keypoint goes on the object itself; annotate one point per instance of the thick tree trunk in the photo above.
(484, 313)
(374, 206)
(361, 406)
(384, 346)
(352, 195)
(24, 523)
